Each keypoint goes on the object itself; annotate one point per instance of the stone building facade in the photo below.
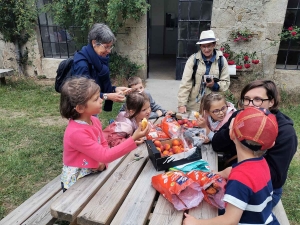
(264, 18)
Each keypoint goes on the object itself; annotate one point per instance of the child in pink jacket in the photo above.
(85, 149)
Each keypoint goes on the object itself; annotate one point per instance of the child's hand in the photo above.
(169, 113)
(190, 220)
(225, 173)
(101, 167)
(139, 141)
(159, 113)
(139, 132)
(201, 122)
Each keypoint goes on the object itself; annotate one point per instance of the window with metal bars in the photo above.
(194, 16)
(289, 50)
(58, 42)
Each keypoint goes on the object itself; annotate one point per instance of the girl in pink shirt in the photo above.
(137, 107)
(85, 148)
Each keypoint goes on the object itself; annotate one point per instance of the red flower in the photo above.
(293, 33)
(222, 49)
(231, 62)
(239, 67)
(290, 28)
(247, 65)
(246, 58)
(255, 61)
(226, 55)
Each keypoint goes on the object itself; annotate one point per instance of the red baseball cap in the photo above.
(258, 125)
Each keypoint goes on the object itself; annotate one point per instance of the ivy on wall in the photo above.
(85, 13)
(18, 19)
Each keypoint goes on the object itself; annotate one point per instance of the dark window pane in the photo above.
(184, 11)
(290, 18)
(195, 10)
(192, 48)
(206, 9)
(181, 49)
(182, 30)
(293, 3)
(194, 30)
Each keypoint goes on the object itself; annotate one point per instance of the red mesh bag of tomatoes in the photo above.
(178, 189)
(170, 126)
(156, 133)
(213, 186)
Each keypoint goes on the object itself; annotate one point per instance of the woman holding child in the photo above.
(264, 94)
(92, 61)
(210, 62)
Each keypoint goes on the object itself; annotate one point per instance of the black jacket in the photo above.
(278, 157)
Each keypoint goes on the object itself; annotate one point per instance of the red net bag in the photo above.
(170, 126)
(178, 189)
(213, 186)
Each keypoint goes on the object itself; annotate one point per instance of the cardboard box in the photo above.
(175, 160)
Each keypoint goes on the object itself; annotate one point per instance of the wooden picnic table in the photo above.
(123, 194)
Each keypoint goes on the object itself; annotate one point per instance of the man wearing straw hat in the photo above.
(210, 62)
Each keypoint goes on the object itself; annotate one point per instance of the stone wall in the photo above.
(132, 42)
(263, 18)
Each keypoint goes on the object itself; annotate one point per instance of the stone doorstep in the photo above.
(6, 72)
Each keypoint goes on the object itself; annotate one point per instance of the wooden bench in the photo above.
(36, 209)
(3, 73)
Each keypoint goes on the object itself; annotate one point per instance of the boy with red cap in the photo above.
(248, 193)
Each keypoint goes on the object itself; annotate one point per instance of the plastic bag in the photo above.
(156, 133)
(196, 165)
(213, 186)
(195, 136)
(178, 189)
(170, 126)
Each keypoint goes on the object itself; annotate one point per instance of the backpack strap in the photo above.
(221, 64)
(195, 67)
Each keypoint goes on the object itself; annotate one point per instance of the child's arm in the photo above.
(231, 216)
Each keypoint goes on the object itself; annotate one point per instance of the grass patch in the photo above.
(31, 133)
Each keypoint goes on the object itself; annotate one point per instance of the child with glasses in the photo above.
(215, 111)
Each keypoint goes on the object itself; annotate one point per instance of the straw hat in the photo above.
(207, 36)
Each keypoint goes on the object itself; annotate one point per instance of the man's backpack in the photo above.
(63, 72)
(195, 67)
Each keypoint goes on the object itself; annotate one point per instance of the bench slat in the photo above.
(133, 210)
(66, 208)
(100, 209)
(280, 214)
(31, 205)
(165, 213)
(43, 215)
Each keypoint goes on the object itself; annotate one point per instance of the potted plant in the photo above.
(292, 33)
(241, 35)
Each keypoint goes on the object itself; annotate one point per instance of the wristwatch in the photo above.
(105, 96)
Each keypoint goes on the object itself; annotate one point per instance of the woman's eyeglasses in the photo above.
(218, 111)
(107, 48)
(256, 101)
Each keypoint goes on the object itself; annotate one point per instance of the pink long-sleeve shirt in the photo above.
(85, 145)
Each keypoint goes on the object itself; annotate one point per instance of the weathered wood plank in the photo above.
(104, 205)
(204, 210)
(34, 203)
(43, 215)
(69, 205)
(165, 214)
(280, 214)
(136, 208)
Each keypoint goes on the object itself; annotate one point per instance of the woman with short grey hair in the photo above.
(93, 61)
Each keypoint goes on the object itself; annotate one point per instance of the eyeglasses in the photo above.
(107, 48)
(256, 101)
(218, 111)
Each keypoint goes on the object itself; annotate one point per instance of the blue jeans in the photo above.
(276, 196)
